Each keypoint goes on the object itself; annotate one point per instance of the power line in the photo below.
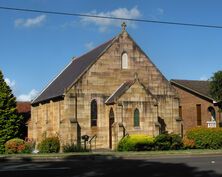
(109, 17)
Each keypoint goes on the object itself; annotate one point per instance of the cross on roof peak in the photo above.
(123, 26)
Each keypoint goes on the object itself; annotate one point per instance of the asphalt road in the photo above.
(173, 166)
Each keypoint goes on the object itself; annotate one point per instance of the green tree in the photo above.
(216, 87)
(9, 119)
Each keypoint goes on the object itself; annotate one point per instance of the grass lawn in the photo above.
(113, 154)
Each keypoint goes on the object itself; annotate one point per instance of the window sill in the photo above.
(138, 128)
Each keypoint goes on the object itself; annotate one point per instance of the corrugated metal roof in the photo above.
(71, 73)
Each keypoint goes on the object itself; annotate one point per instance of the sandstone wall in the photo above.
(70, 117)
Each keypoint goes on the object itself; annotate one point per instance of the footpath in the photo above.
(103, 155)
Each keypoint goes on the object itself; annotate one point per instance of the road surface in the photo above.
(105, 165)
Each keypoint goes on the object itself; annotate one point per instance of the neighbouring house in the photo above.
(24, 109)
(197, 107)
(111, 91)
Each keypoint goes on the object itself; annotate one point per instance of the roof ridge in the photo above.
(72, 72)
(94, 49)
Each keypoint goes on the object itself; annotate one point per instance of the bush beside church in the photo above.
(196, 138)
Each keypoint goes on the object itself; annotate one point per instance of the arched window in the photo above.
(136, 119)
(124, 61)
(93, 113)
(212, 112)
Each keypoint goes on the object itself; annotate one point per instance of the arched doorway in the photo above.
(111, 121)
(162, 125)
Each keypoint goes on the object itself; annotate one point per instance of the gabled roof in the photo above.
(201, 88)
(71, 73)
(123, 88)
(120, 91)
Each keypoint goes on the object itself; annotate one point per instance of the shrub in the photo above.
(74, 148)
(168, 142)
(136, 143)
(162, 142)
(206, 138)
(49, 145)
(17, 145)
(29, 146)
(188, 143)
(176, 142)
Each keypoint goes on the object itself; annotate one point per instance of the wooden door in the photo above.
(198, 106)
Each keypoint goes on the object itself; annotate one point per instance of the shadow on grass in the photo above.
(104, 165)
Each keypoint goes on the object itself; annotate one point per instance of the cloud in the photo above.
(104, 24)
(156, 14)
(28, 97)
(89, 45)
(23, 97)
(10, 83)
(203, 78)
(160, 11)
(30, 22)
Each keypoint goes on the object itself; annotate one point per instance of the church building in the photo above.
(112, 91)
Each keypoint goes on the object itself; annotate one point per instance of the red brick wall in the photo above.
(188, 102)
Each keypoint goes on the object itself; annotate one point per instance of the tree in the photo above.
(9, 119)
(216, 87)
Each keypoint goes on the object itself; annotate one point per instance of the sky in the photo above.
(35, 47)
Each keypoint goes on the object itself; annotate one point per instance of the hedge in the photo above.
(205, 138)
(168, 142)
(136, 143)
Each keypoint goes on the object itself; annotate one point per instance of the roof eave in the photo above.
(47, 100)
(187, 88)
(36, 98)
(110, 103)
